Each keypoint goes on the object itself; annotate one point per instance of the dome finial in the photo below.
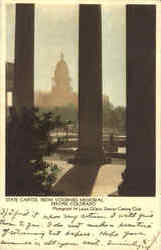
(62, 56)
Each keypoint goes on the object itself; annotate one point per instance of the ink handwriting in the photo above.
(127, 227)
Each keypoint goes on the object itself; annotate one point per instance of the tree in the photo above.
(114, 118)
(28, 140)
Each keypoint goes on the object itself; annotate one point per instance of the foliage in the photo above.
(114, 118)
(68, 112)
(28, 140)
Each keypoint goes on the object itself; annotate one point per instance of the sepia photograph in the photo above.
(80, 124)
(80, 100)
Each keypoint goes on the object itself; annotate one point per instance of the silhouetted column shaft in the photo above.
(139, 177)
(24, 57)
(90, 84)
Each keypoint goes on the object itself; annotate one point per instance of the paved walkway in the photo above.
(87, 180)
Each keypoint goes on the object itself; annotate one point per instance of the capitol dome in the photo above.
(61, 92)
(61, 74)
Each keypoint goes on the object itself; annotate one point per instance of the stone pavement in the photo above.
(87, 180)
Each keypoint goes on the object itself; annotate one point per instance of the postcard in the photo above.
(80, 125)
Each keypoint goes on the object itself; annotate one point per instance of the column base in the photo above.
(138, 182)
(90, 156)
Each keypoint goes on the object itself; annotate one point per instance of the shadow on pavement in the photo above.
(78, 181)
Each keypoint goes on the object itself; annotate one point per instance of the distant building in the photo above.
(61, 93)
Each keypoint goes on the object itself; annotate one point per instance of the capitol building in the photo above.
(61, 93)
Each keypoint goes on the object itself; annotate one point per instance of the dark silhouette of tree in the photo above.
(28, 140)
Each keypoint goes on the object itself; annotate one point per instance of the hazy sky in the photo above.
(56, 31)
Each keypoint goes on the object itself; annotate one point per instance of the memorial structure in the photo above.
(139, 177)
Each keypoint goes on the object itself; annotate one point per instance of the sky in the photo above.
(56, 31)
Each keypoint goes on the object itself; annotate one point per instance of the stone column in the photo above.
(90, 84)
(139, 177)
(24, 57)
